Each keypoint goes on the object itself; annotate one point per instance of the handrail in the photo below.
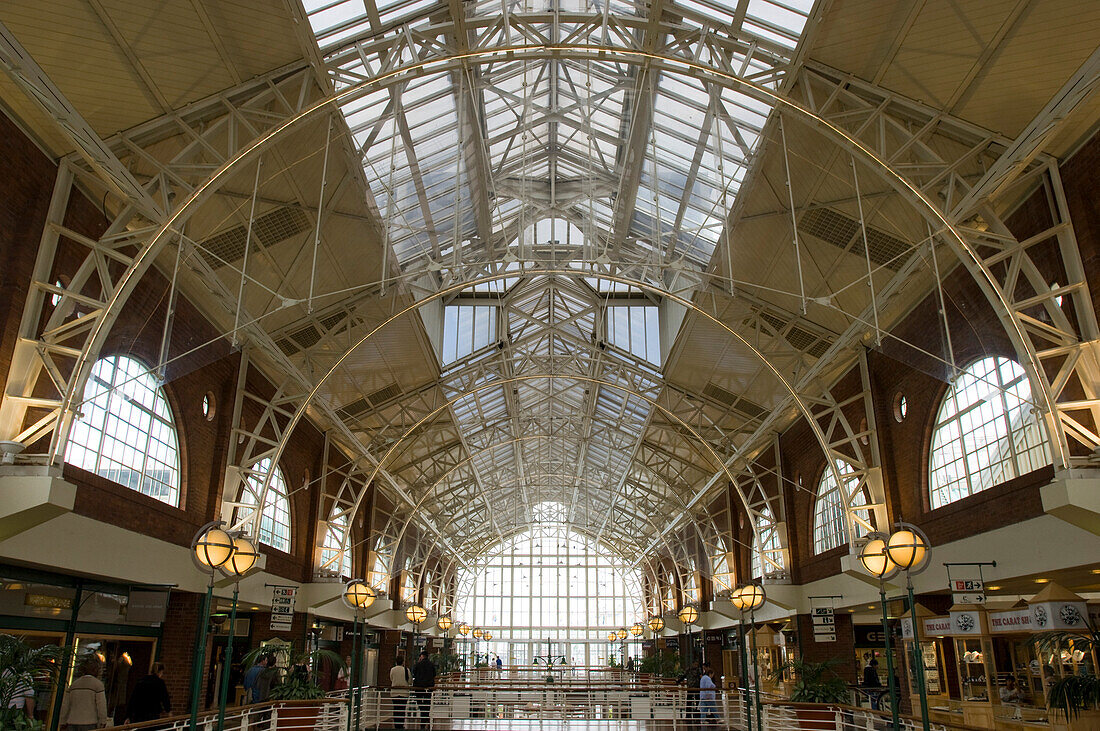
(885, 715)
(229, 711)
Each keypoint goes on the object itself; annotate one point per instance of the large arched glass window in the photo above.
(986, 432)
(126, 433)
(768, 544)
(550, 582)
(721, 567)
(275, 514)
(830, 519)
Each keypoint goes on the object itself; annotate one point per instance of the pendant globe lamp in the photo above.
(909, 550)
(656, 624)
(242, 559)
(416, 614)
(444, 622)
(211, 548)
(752, 597)
(738, 602)
(689, 615)
(463, 630)
(877, 563)
(357, 596)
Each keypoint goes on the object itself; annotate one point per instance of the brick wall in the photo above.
(843, 649)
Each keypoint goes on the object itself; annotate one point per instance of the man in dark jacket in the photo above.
(423, 682)
(150, 697)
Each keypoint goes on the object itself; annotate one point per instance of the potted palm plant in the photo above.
(298, 684)
(816, 683)
(21, 664)
(1077, 697)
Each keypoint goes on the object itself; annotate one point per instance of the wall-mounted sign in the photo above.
(672, 643)
(935, 626)
(967, 622)
(1018, 620)
(907, 628)
(282, 607)
(147, 606)
(824, 622)
(869, 635)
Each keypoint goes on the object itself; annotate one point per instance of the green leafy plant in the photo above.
(816, 682)
(664, 664)
(19, 661)
(1074, 693)
(447, 662)
(298, 685)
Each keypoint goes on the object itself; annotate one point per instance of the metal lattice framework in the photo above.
(465, 127)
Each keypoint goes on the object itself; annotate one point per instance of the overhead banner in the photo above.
(282, 607)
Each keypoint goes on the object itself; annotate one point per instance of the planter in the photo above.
(300, 715)
(813, 717)
(1085, 721)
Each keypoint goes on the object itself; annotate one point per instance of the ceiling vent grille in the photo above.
(353, 409)
(842, 231)
(384, 394)
(269, 229)
(740, 404)
(309, 335)
(799, 337)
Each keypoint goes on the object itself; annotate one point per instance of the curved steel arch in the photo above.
(978, 269)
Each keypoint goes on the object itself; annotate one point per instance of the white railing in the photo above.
(329, 714)
(511, 707)
(785, 716)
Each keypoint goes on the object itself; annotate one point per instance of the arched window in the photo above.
(550, 582)
(335, 531)
(768, 543)
(986, 432)
(721, 567)
(275, 514)
(126, 433)
(830, 519)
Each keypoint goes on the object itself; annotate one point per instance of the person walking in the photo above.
(423, 681)
(400, 680)
(150, 697)
(708, 708)
(85, 704)
(872, 682)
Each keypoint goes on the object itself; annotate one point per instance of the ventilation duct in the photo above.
(267, 230)
(843, 232)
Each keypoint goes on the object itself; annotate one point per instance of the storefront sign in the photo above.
(672, 643)
(1058, 615)
(824, 623)
(966, 622)
(147, 606)
(935, 626)
(47, 601)
(282, 607)
(1018, 620)
(869, 635)
(907, 628)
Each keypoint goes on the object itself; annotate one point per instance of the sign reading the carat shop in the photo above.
(282, 607)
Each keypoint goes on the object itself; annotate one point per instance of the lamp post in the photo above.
(463, 629)
(637, 629)
(476, 634)
(211, 548)
(878, 564)
(908, 549)
(358, 595)
(689, 615)
(416, 614)
(753, 597)
(739, 604)
(612, 637)
(240, 562)
(622, 634)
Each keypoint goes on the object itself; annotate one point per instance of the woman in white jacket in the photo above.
(85, 704)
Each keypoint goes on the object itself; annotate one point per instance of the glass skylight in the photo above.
(635, 329)
(467, 329)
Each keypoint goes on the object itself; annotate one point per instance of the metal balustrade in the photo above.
(329, 714)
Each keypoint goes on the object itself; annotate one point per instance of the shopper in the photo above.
(708, 712)
(22, 697)
(150, 697)
(872, 682)
(400, 680)
(85, 704)
(423, 682)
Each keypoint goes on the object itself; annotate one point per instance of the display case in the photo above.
(926, 632)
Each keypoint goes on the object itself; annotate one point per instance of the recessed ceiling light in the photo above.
(851, 610)
(870, 606)
(994, 588)
(1096, 571)
(1042, 581)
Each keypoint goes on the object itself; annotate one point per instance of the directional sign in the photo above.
(969, 598)
(966, 585)
(824, 624)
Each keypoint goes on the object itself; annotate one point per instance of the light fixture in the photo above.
(612, 636)
(656, 624)
(875, 559)
(242, 559)
(477, 633)
(444, 622)
(416, 614)
(464, 629)
(752, 597)
(908, 549)
(737, 600)
(689, 614)
(637, 629)
(488, 636)
(993, 588)
(358, 594)
(212, 547)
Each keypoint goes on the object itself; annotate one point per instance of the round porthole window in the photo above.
(864, 438)
(208, 406)
(901, 407)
